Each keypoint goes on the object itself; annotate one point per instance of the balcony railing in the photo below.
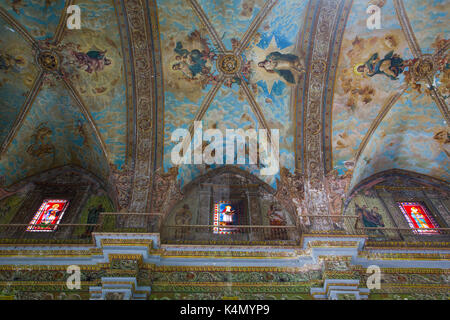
(239, 234)
(193, 234)
(82, 233)
(129, 222)
(63, 233)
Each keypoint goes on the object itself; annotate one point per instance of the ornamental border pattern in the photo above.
(149, 102)
(330, 21)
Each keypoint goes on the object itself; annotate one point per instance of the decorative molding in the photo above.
(330, 20)
(381, 176)
(144, 41)
(340, 289)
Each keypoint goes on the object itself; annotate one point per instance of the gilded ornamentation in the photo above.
(146, 98)
(228, 64)
(337, 187)
(290, 190)
(166, 187)
(121, 179)
(48, 60)
(424, 67)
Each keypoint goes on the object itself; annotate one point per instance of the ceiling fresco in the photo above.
(349, 102)
(267, 29)
(231, 19)
(39, 17)
(357, 99)
(383, 118)
(71, 111)
(17, 74)
(54, 133)
(101, 85)
(413, 136)
(429, 19)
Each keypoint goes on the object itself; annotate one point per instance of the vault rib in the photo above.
(255, 25)
(204, 19)
(440, 101)
(255, 106)
(59, 32)
(23, 113)
(204, 107)
(18, 27)
(375, 123)
(86, 113)
(417, 52)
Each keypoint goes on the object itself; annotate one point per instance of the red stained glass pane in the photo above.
(418, 217)
(48, 215)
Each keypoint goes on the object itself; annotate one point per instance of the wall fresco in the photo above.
(9, 207)
(90, 213)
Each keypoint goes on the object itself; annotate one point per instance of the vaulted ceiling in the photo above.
(107, 97)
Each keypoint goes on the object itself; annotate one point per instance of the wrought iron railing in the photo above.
(353, 225)
(129, 222)
(81, 233)
(246, 234)
(117, 222)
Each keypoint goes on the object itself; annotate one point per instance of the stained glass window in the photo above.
(48, 215)
(418, 217)
(225, 214)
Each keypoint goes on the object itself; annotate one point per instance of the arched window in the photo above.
(48, 215)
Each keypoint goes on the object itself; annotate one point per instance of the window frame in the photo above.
(32, 226)
(430, 214)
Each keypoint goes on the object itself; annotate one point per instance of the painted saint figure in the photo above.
(41, 142)
(51, 214)
(419, 218)
(94, 60)
(391, 66)
(286, 66)
(227, 215)
(370, 218)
